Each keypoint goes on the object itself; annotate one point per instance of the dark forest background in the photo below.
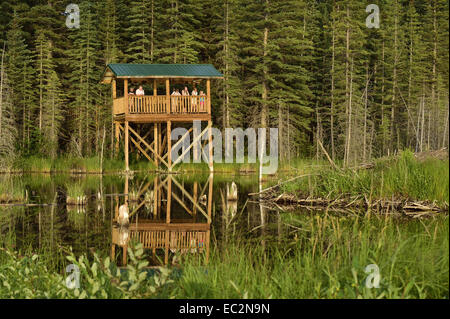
(311, 68)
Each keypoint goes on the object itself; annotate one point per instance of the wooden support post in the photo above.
(116, 208)
(159, 139)
(126, 145)
(155, 87)
(166, 250)
(117, 134)
(155, 196)
(113, 85)
(207, 245)
(210, 195)
(168, 203)
(155, 130)
(194, 208)
(211, 163)
(169, 199)
(168, 95)
(169, 146)
(125, 190)
(208, 95)
(124, 257)
(113, 252)
(125, 94)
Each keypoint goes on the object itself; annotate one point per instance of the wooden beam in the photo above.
(169, 146)
(182, 138)
(164, 117)
(168, 96)
(169, 199)
(148, 146)
(180, 202)
(211, 163)
(190, 146)
(126, 145)
(210, 193)
(125, 94)
(141, 149)
(160, 145)
(208, 95)
(117, 134)
(113, 85)
(155, 139)
(195, 197)
(126, 189)
(172, 226)
(124, 257)
(143, 202)
(155, 196)
(191, 199)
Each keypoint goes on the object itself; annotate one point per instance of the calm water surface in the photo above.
(78, 212)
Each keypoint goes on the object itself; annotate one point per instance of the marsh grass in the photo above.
(12, 190)
(402, 176)
(327, 259)
(67, 164)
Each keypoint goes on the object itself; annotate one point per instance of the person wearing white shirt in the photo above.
(140, 91)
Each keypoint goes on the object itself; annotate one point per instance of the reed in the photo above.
(398, 177)
(327, 259)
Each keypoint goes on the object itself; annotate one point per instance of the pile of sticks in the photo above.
(360, 202)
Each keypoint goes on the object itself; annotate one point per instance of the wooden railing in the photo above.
(147, 104)
(188, 104)
(119, 105)
(158, 104)
(177, 239)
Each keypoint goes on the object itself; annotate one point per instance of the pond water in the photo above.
(55, 213)
(52, 214)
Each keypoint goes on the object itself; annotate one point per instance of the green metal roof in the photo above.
(164, 70)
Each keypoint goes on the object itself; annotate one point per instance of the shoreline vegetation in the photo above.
(406, 182)
(416, 185)
(326, 257)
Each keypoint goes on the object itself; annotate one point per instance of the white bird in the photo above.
(123, 219)
(232, 193)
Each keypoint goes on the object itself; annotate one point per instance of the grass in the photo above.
(11, 190)
(324, 256)
(65, 164)
(327, 259)
(92, 165)
(402, 176)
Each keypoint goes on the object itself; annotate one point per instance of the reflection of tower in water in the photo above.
(229, 205)
(154, 224)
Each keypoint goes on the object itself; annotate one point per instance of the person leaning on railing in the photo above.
(202, 101)
(194, 99)
(175, 92)
(139, 92)
(185, 92)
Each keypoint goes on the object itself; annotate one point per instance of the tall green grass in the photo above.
(403, 176)
(11, 190)
(327, 259)
(68, 164)
(320, 256)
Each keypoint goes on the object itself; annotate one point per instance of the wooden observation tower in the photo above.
(147, 120)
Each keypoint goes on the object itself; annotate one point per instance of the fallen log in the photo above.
(355, 202)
